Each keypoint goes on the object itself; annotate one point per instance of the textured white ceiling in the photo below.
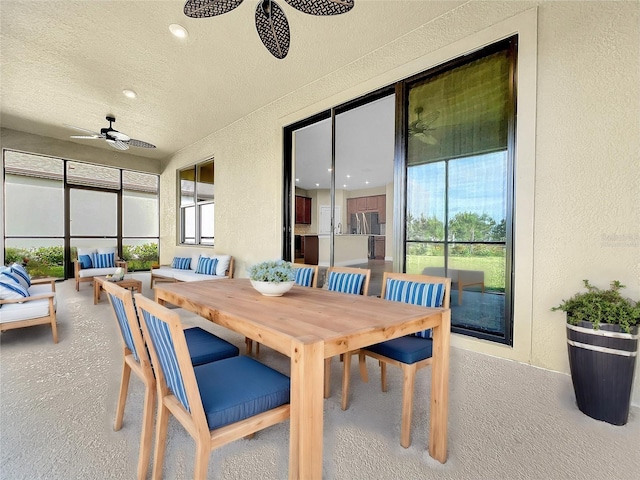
(67, 62)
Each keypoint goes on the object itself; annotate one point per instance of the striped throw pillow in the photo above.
(207, 266)
(10, 275)
(304, 276)
(346, 282)
(104, 260)
(415, 293)
(9, 289)
(181, 263)
(22, 273)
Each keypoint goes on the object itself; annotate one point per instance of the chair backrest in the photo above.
(124, 310)
(169, 352)
(306, 275)
(348, 280)
(416, 289)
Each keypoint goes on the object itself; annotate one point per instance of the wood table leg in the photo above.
(306, 423)
(440, 389)
(96, 292)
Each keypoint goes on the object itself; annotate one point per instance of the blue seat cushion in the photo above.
(407, 349)
(239, 387)
(205, 347)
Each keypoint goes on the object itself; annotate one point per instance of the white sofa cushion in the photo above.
(86, 251)
(166, 272)
(96, 272)
(221, 267)
(14, 312)
(189, 276)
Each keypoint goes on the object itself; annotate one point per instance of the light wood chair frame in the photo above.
(47, 319)
(141, 368)
(408, 370)
(345, 357)
(314, 283)
(194, 422)
(76, 271)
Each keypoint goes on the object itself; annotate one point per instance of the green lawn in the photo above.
(493, 267)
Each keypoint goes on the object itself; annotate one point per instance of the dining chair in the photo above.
(344, 280)
(306, 276)
(203, 347)
(411, 352)
(217, 402)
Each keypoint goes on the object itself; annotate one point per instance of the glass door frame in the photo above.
(69, 273)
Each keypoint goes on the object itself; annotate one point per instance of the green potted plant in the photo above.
(602, 337)
(272, 278)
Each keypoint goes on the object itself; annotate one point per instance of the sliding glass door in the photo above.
(431, 193)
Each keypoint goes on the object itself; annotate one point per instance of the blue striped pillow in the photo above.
(85, 261)
(104, 260)
(304, 276)
(207, 265)
(10, 274)
(22, 273)
(415, 293)
(181, 263)
(165, 350)
(10, 290)
(346, 282)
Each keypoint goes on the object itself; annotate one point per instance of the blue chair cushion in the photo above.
(304, 276)
(416, 293)
(407, 349)
(205, 347)
(239, 387)
(85, 261)
(181, 263)
(346, 282)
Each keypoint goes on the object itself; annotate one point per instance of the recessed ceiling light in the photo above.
(317, 184)
(129, 93)
(178, 30)
(329, 169)
(348, 176)
(297, 179)
(367, 182)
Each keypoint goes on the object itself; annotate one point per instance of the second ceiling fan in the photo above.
(271, 22)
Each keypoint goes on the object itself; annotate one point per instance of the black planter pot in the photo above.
(602, 363)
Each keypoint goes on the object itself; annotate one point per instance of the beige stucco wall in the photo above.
(577, 162)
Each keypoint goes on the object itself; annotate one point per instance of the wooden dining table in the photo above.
(310, 325)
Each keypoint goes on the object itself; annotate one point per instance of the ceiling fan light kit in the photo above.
(114, 138)
(271, 23)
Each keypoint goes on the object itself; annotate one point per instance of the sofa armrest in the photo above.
(76, 268)
(122, 264)
(29, 299)
(42, 281)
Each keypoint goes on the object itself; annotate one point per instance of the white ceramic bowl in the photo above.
(270, 289)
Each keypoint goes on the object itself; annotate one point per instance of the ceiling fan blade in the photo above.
(322, 7)
(273, 28)
(139, 143)
(116, 135)
(209, 8)
(117, 144)
(83, 129)
(88, 137)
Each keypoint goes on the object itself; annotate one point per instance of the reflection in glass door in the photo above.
(459, 187)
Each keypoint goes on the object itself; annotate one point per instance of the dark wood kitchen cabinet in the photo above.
(303, 210)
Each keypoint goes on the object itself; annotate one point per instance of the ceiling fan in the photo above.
(421, 127)
(113, 137)
(271, 22)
